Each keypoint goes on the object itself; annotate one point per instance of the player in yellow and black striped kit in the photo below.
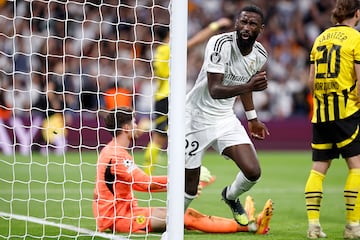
(161, 71)
(334, 80)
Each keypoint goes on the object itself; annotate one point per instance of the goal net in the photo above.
(63, 66)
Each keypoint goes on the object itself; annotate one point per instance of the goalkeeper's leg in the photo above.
(264, 217)
(195, 220)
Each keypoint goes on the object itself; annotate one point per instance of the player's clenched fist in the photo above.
(259, 81)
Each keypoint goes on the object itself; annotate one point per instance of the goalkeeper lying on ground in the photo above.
(115, 207)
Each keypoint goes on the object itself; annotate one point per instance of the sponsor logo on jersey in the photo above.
(231, 80)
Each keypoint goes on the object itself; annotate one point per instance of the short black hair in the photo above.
(117, 118)
(254, 9)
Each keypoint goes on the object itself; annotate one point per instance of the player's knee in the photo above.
(253, 175)
(254, 178)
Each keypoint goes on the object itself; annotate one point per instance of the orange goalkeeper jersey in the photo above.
(117, 176)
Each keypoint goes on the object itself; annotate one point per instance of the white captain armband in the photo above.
(250, 115)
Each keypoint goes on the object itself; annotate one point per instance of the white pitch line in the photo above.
(63, 226)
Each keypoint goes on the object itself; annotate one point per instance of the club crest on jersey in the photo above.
(129, 164)
(215, 57)
(140, 219)
(252, 67)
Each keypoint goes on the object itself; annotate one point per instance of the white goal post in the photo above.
(60, 62)
(178, 43)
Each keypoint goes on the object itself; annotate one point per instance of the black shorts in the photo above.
(161, 115)
(335, 138)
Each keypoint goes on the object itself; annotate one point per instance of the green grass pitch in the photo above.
(59, 189)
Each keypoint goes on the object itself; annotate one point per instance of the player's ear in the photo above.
(357, 14)
(261, 29)
(127, 127)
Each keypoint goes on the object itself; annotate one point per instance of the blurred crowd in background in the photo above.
(70, 55)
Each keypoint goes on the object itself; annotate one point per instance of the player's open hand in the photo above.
(258, 82)
(257, 129)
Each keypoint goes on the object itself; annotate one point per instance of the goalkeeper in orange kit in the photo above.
(115, 207)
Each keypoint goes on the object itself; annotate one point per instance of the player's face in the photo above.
(248, 26)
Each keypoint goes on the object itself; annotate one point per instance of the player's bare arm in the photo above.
(258, 130)
(219, 91)
(357, 71)
(207, 32)
(311, 77)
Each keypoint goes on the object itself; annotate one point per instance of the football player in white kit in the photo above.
(232, 68)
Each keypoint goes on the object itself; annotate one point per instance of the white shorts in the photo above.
(199, 137)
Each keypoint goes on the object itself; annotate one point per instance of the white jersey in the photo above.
(222, 55)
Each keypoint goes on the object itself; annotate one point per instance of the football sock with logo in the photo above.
(351, 195)
(313, 196)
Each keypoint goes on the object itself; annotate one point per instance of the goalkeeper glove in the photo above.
(205, 179)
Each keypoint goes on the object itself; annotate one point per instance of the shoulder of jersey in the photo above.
(260, 48)
(221, 39)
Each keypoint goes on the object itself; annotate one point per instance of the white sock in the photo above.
(240, 185)
(164, 236)
(60, 144)
(5, 143)
(187, 200)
